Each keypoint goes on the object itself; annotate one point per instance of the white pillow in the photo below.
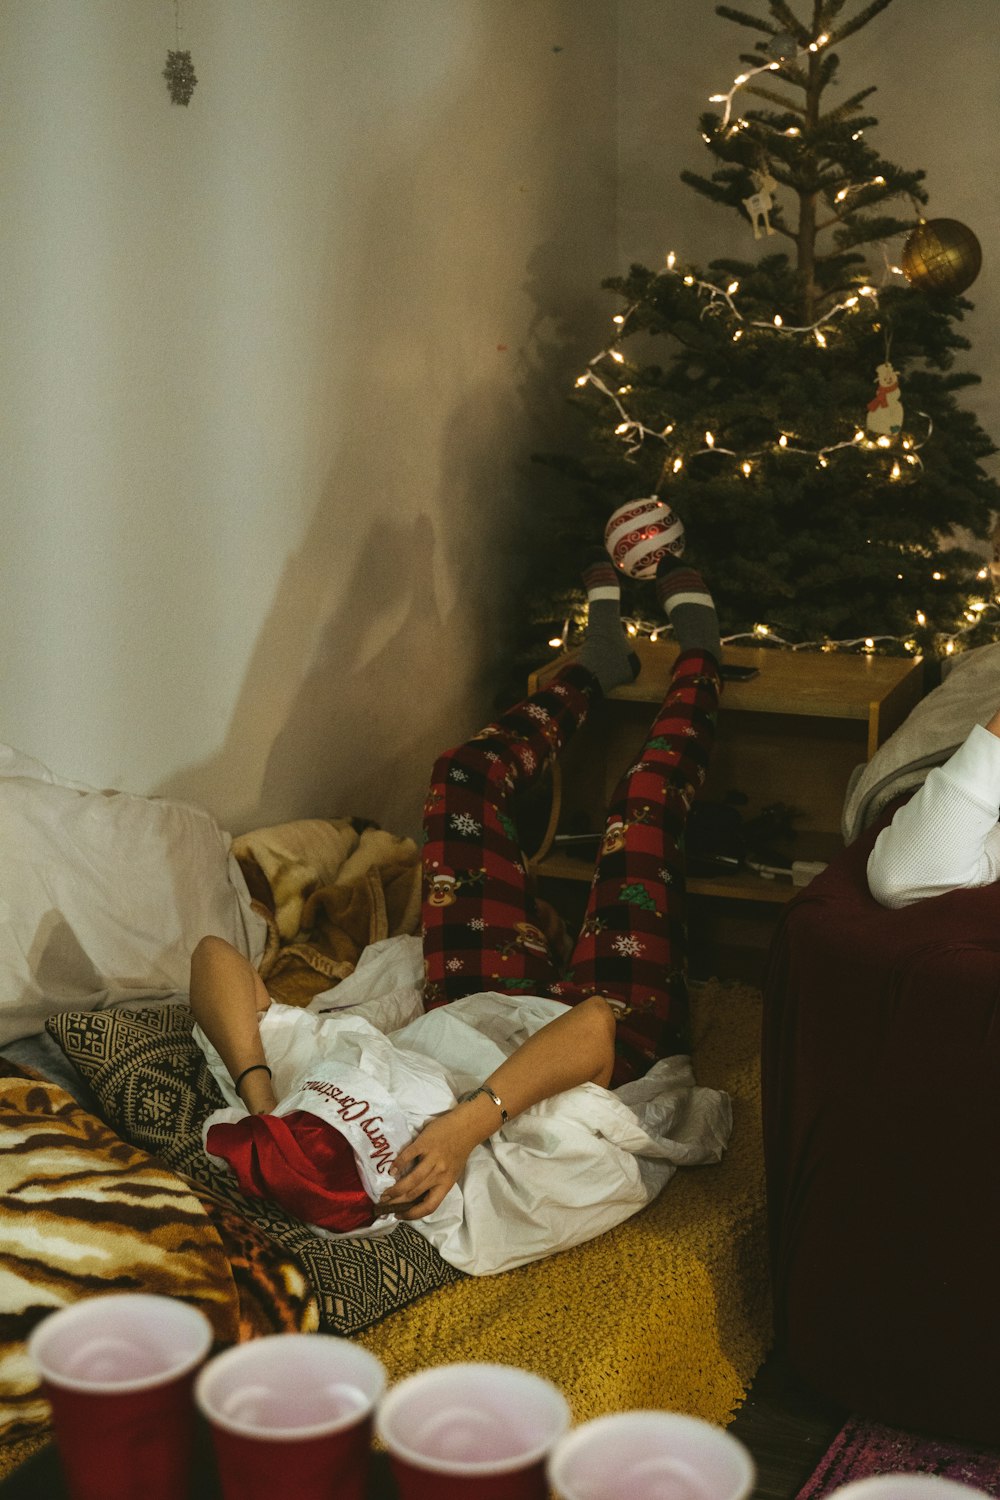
(103, 896)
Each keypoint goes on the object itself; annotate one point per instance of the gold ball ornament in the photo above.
(942, 255)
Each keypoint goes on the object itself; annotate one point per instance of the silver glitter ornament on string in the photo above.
(180, 76)
(179, 72)
(782, 47)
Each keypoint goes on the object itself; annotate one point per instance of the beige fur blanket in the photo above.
(327, 887)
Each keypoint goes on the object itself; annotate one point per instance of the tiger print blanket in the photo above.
(82, 1212)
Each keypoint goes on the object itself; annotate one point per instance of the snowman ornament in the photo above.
(885, 410)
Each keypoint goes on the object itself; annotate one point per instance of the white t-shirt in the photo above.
(560, 1173)
(947, 836)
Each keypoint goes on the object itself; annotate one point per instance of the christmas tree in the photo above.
(798, 412)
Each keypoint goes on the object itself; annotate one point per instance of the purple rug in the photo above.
(862, 1448)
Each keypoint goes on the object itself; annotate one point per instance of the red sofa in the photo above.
(881, 1096)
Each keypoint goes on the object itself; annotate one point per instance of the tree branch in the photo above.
(787, 17)
(861, 19)
(743, 19)
(786, 104)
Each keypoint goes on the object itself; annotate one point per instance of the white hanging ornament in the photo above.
(885, 410)
(640, 533)
(761, 202)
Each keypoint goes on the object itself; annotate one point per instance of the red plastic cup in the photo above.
(908, 1486)
(650, 1455)
(472, 1429)
(292, 1414)
(118, 1371)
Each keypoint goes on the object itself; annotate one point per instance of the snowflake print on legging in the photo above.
(480, 923)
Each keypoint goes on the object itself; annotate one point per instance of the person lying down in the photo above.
(505, 1103)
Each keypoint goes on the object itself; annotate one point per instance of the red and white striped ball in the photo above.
(642, 532)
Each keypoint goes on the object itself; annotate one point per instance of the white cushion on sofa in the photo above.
(103, 896)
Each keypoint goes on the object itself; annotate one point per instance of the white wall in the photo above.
(271, 368)
(937, 103)
(271, 365)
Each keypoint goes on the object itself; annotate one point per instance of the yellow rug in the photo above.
(671, 1309)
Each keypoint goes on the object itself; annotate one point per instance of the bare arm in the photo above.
(946, 836)
(577, 1047)
(228, 998)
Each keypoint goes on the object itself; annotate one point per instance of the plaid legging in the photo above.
(480, 924)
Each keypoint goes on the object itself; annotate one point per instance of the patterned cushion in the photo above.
(155, 1088)
(83, 1212)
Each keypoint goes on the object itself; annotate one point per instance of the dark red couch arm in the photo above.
(881, 1091)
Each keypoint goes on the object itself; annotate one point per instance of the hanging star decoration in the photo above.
(180, 76)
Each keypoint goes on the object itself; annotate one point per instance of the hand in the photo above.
(430, 1165)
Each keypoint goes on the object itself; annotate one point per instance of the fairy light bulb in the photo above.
(824, 462)
(582, 379)
(631, 629)
(733, 287)
(618, 357)
(678, 465)
(624, 427)
(895, 471)
(983, 573)
(618, 318)
(710, 439)
(884, 442)
(859, 436)
(762, 630)
(841, 195)
(949, 648)
(869, 643)
(671, 261)
(820, 337)
(556, 642)
(778, 320)
(689, 281)
(793, 130)
(737, 335)
(747, 468)
(851, 302)
(937, 577)
(783, 441)
(921, 618)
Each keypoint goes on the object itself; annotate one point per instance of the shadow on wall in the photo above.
(386, 633)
